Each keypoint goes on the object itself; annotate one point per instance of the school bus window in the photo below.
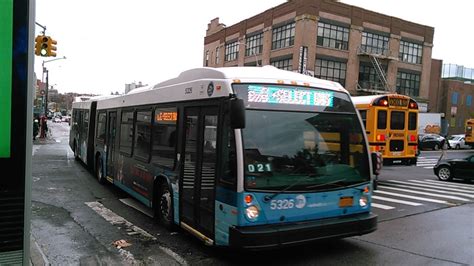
(382, 119)
(412, 117)
(397, 120)
(363, 115)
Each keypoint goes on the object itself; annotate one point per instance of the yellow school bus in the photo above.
(470, 132)
(391, 125)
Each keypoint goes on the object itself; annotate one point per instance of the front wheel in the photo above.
(444, 173)
(164, 207)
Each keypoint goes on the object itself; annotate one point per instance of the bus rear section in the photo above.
(470, 132)
(81, 132)
(391, 126)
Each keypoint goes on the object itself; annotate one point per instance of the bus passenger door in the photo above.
(197, 182)
(110, 142)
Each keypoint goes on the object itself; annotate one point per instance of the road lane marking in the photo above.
(411, 197)
(425, 193)
(431, 186)
(465, 186)
(116, 219)
(435, 190)
(381, 206)
(397, 201)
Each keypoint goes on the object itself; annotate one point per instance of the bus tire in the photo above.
(164, 206)
(76, 155)
(99, 174)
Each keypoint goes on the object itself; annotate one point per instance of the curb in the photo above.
(37, 257)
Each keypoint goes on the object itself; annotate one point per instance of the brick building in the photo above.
(365, 51)
(451, 93)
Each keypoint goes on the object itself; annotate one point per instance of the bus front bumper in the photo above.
(281, 235)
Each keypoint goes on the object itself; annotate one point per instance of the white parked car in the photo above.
(458, 142)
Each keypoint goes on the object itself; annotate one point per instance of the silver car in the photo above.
(458, 142)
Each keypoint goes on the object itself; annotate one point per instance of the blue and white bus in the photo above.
(246, 157)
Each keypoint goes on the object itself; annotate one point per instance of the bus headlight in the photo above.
(363, 201)
(252, 212)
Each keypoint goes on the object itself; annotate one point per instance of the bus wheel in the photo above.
(98, 171)
(76, 155)
(164, 208)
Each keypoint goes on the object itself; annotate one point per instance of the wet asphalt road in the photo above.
(70, 232)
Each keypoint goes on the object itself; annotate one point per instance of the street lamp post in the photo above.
(47, 83)
(45, 118)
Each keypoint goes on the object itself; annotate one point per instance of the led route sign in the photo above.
(279, 95)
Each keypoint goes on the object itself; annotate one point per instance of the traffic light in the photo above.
(45, 46)
(51, 47)
(41, 45)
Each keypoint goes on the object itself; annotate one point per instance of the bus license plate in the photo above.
(346, 201)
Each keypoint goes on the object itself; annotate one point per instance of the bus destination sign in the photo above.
(280, 95)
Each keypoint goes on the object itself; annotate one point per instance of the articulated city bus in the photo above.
(81, 136)
(470, 132)
(391, 125)
(245, 157)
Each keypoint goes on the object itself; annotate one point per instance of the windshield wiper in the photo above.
(267, 198)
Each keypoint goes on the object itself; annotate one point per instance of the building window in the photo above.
(331, 70)
(283, 36)
(454, 98)
(217, 55)
(143, 135)
(231, 51)
(408, 84)
(285, 64)
(469, 100)
(207, 58)
(126, 132)
(254, 45)
(374, 43)
(369, 78)
(410, 52)
(333, 36)
(164, 137)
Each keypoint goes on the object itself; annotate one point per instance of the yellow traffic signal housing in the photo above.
(41, 43)
(51, 47)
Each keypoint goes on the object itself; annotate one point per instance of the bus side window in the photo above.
(126, 132)
(164, 137)
(382, 119)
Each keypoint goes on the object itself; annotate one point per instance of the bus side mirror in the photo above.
(377, 162)
(237, 113)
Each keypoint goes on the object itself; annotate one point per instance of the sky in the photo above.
(109, 43)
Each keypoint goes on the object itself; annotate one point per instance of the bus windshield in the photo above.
(304, 150)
